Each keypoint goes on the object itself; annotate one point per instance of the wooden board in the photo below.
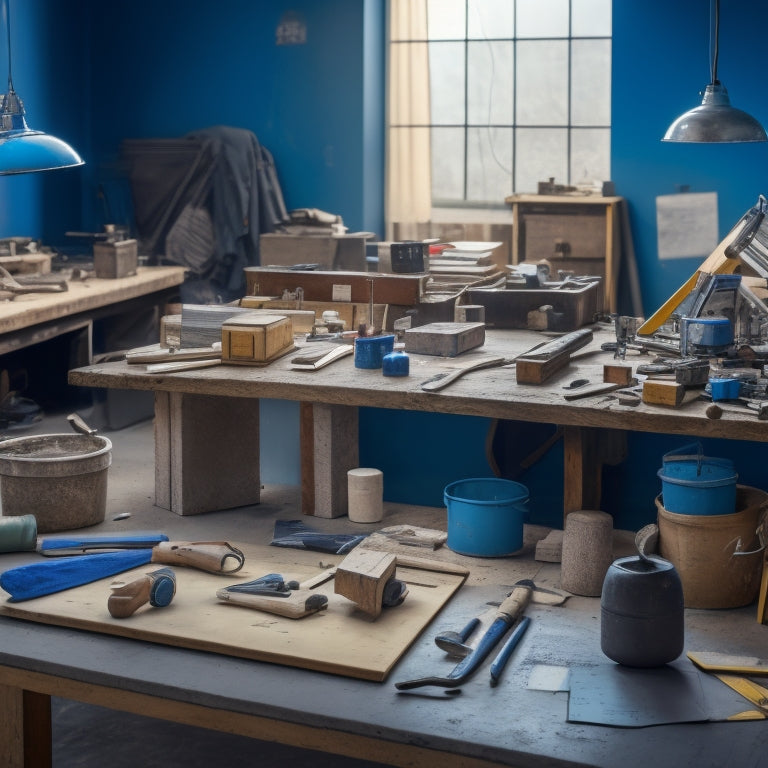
(340, 640)
(336, 285)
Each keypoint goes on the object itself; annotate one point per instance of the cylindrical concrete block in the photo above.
(587, 552)
(365, 491)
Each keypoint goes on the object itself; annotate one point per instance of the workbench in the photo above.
(206, 444)
(34, 317)
(483, 726)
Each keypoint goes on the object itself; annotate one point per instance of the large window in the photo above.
(516, 92)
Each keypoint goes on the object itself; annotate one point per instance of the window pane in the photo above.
(591, 18)
(446, 19)
(490, 19)
(489, 164)
(591, 82)
(490, 83)
(590, 155)
(536, 18)
(542, 95)
(447, 164)
(446, 83)
(539, 155)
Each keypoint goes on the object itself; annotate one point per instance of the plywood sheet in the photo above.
(341, 639)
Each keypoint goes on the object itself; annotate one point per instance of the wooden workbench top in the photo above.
(491, 392)
(30, 309)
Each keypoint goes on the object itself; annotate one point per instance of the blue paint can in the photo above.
(485, 516)
(371, 350)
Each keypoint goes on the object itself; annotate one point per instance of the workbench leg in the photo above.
(25, 728)
(585, 450)
(329, 449)
(206, 452)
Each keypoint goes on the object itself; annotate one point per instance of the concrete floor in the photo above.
(86, 736)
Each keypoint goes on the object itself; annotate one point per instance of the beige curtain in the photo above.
(409, 182)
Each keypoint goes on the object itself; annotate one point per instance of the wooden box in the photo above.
(444, 339)
(254, 339)
(118, 259)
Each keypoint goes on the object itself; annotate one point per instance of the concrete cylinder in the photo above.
(365, 492)
(587, 552)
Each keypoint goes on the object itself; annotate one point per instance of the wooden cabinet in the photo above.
(582, 234)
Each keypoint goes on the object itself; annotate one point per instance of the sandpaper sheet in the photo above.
(341, 639)
(610, 694)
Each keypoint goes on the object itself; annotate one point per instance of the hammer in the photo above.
(511, 608)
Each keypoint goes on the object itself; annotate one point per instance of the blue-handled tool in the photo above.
(506, 650)
(45, 578)
(506, 616)
(19, 534)
(511, 608)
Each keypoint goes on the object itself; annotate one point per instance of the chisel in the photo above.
(37, 579)
(19, 534)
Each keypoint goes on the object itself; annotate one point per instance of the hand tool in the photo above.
(590, 389)
(506, 650)
(307, 361)
(156, 588)
(442, 380)
(754, 693)
(454, 643)
(38, 579)
(18, 533)
(506, 615)
(539, 364)
(271, 594)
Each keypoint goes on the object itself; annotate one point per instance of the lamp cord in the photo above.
(716, 51)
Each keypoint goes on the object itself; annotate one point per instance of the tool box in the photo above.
(550, 309)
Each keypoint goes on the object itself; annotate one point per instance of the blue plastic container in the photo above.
(694, 484)
(370, 350)
(724, 389)
(486, 516)
(396, 363)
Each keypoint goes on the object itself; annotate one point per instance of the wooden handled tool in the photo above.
(541, 362)
(156, 588)
(295, 605)
(512, 607)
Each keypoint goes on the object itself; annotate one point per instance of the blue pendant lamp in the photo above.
(715, 120)
(23, 150)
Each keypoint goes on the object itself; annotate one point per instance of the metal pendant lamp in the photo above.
(715, 120)
(23, 150)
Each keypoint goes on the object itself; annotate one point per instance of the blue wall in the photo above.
(97, 72)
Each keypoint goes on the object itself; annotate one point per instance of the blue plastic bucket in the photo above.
(694, 484)
(485, 516)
